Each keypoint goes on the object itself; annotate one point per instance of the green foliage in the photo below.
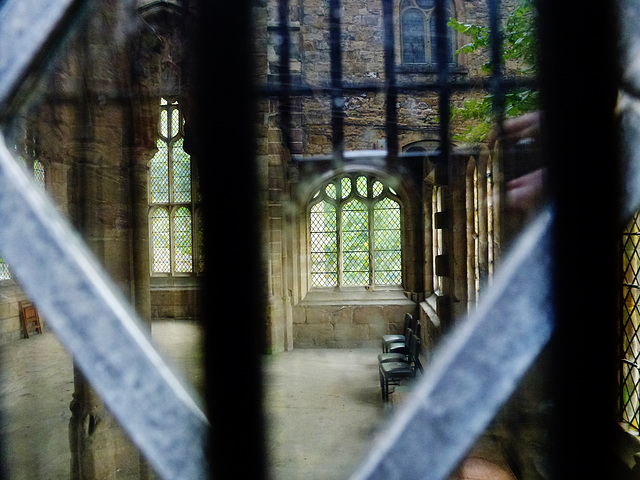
(519, 55)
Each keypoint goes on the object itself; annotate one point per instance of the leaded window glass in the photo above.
(355, 233)
(161, 237)
(324, 245)
(629, 331)
(418, 32)
(183, 252)
(5, 274)
(355, 243)
(388, 242)
(171, 200)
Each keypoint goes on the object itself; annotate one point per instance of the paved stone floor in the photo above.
(322, 406)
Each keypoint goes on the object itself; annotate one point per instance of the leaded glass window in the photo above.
(355, 233)
(418, 33)
(629, 330)
(174, 246)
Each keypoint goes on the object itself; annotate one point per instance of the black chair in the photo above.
(396, 351)
(388, 340)
(393, 373)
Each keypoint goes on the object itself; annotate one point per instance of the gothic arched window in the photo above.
(418, 38)
(171, 199)
(355, 233)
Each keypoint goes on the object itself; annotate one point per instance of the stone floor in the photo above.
(322, 406)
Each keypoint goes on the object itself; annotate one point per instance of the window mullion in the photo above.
(171, 206)
(339, 243)
(372, 245)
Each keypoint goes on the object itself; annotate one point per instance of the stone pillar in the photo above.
(56, 182)
(91, 428)
(458, 287)
(141, 288)
(91, 439)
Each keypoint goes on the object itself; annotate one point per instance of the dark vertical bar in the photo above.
(284, 72)
(444, 92)
(391, 113)
(495, 83)
(579, 138)
(233, 320)
(337, 98)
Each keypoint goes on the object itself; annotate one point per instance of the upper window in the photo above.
(173, 213)
(418, 38)
(355, 233)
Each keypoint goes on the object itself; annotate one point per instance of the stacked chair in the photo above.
(388, 340)
(400, 359)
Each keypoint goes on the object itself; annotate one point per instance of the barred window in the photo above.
(355, 233)
(171, 199)
(418, 32)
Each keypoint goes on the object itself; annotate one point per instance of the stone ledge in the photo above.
(355, 296)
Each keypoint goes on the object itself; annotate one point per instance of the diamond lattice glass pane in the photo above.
(387, 240)
(324, 245)
(175, 123)
(361, 186)
(345, 183)
(323, 218)
(377, 188)
(159, 175)
(183, 256)
(164, 123)
(331, 191)
(386, 215)
(388, 243)
(181, 173)
(392, 277)
(355, 243)
(629, 399)
(38, 172)
(5, 274)
(160, 241)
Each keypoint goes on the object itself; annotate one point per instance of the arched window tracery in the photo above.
(355, 227)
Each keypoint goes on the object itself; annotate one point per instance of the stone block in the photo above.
(376, 331)
(162, 297)
(343, 315)
(396, 313)
(299, 315)
(5, 309)
(368, 314)
(318, 315)
(352, 332)
(313, 335)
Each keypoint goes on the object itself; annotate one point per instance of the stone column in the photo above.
(141, 288)
(91, 428)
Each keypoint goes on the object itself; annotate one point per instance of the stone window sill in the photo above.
(356, 296)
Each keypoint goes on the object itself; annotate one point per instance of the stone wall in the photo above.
(342, 324)
(175, 303)
(10, 295)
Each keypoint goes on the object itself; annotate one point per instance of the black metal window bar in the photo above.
(485, 357)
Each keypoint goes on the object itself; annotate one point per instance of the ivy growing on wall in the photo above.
(520, 57)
